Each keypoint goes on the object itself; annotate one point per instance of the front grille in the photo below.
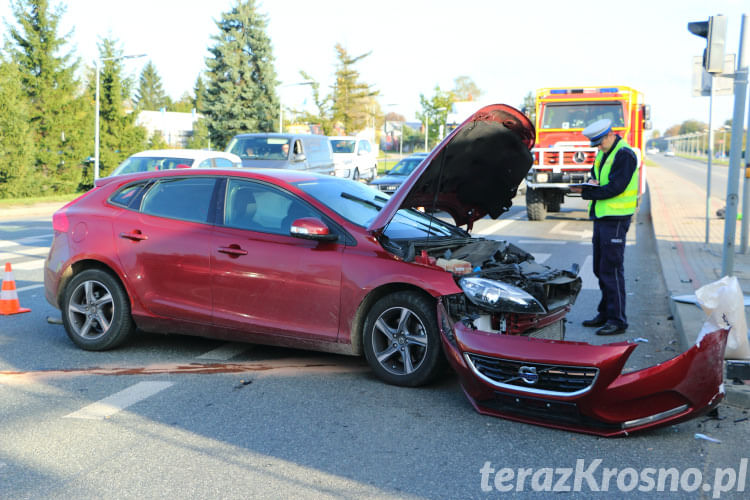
(546, 411)
(555, 331)
(538, 378)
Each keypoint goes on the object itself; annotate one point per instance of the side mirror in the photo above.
(299, 157)
(311, 228)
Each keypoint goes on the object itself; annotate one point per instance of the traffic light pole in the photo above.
(735, 152)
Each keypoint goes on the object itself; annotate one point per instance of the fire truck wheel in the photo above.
(535, 207)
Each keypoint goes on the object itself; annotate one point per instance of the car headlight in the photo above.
(499, 296)
(542, 177)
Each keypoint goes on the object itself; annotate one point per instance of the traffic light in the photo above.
(714, 31)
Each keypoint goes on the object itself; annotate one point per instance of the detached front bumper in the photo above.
(578, 386)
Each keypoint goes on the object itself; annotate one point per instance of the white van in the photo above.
(307, 152)
(354, 158)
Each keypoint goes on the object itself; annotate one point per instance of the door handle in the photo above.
(233, 250)
(135, 235)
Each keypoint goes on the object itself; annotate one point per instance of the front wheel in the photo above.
(535, 207)
(96, 311)
(401, 339)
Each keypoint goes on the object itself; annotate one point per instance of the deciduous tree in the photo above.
(351, 98)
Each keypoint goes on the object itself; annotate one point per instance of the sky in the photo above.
(508, 48)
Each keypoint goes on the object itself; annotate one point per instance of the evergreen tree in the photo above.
(184, 104)
(352, 106)
(240, 93)
(199, 91)
(59, 116)
(199, 139)
(17, 177)
(119, 137)
(150, 94)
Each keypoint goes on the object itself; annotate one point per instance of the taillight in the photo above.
(60, 221)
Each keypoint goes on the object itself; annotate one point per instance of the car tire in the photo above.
(401, 339)
(535, 207)
(96, 311)
(355, 174)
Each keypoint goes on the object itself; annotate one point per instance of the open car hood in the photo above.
(473, 172)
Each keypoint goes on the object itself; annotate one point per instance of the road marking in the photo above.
(590, 281)
(119, 401)
(558, 229)
(493, 228)
(29, 265)
(30, 287)
(24, 251)
(23, 241)
(225, 351)
(542, 242)
(541, 257)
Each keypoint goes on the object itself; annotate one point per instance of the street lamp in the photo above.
(96, 119)
(281, 109)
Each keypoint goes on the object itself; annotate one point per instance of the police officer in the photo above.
(613, 194)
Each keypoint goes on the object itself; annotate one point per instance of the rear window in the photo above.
(150, 164)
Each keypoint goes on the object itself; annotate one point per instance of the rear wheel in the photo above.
(96, 311)
(535, 207)
(401, 339)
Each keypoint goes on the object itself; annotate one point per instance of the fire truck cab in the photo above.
(562, 155)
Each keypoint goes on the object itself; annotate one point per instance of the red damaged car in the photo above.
(302, 260)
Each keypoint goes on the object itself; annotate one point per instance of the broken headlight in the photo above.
(499, 296)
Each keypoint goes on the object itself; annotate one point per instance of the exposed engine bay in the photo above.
(505, 290)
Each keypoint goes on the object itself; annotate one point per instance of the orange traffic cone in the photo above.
(8, 296)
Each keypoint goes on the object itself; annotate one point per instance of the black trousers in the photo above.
(609, 256)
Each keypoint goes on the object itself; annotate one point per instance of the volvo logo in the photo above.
(579, 157)
(528, 374)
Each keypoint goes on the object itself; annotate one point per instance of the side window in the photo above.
(258, 207)
(184, 199)
(223, 163)
(126, 196)
(205, 163)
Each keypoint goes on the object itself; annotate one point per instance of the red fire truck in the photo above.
(562, 155)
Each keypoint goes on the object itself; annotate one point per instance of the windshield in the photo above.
(149, 164)
(359, 204)
(343, 145)
(405, 166)
(581, 115)
(260, 147)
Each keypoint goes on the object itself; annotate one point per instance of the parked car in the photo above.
(354, 158)
(311, 261)
(393, 178)
(307, 152)
(166, 159)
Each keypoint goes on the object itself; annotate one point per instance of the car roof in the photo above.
(284, 175)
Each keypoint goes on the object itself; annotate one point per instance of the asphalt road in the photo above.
(195, 418)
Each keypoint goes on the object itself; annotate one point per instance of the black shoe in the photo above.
(611, 329)
(598, 321)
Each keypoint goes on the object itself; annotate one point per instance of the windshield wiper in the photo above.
(362, 200)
